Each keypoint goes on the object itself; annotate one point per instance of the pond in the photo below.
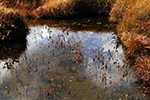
(80, 59)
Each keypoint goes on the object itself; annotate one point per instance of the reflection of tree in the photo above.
(12, 49)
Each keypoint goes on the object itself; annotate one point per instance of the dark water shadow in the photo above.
(95, 24)
(13, 46)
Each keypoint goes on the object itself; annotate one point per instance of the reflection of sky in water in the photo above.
(91, 41)
(4, 72)
(94, 45)
(105, 41)
(41, 35)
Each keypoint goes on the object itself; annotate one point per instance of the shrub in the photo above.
(139, 46)
(12, 26)
(143, 69)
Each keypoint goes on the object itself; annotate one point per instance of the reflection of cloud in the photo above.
(90, 39)
(97, 40)
(104, 40)
(5, 73)
(110, 44)
(41, 34)
(44, 60)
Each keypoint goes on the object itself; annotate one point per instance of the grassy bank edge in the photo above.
(12, 26)
(22, 9)
(133, 28)
(59, 8)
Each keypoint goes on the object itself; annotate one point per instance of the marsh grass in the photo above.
(133, 18)
(143, 69)
(12, 28)
(59, 8)
(139, 46)
(138, 55)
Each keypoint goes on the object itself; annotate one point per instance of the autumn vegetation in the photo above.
(59, 8)
(13, 12)
(12, 28)
(132, 18)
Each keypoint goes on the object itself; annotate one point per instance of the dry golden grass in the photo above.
(143, 68)
(59, 8)
(139, 45)
(50, 8)
(133, 16)
(7, 10)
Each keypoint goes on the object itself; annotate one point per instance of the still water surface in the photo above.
(69, 64)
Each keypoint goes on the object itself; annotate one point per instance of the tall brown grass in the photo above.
(139, 46)
(143, 69)
(59, 8)
(23, 4)
(133, 17)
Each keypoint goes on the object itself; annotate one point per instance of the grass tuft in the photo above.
(143, 69)
(139, 46)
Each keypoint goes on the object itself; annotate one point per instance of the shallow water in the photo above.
(61, 64)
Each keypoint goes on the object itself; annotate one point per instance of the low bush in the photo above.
(12, 27)
(139, 46)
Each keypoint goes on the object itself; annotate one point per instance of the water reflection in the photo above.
(10, 52)
(67, 65)
(95, 24)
